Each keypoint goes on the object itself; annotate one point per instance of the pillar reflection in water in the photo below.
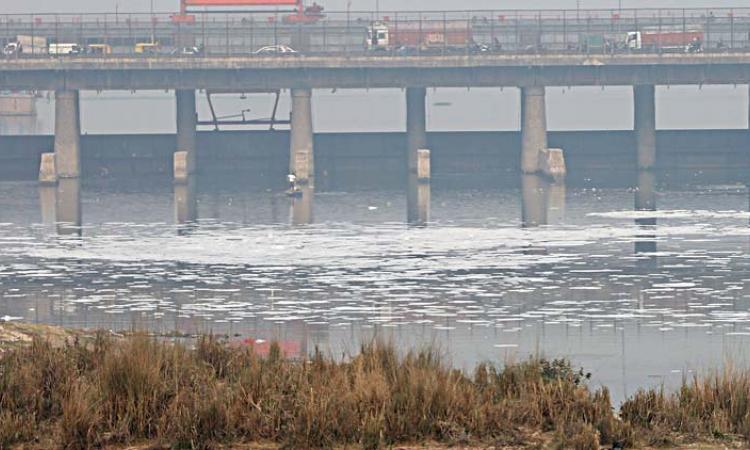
(645, 200)
(418, 199)
(301, 211)
(61, 206)
(542, 201)
(48, 204)
(69, 216)
(556, 192)
(186, 204)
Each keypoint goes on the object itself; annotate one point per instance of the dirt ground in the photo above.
(14, 334)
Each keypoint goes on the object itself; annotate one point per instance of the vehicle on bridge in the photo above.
(147, 48)
(60, 49)
(187, 51)
(276, 50)
(668, 41)
(300, 14)
(12, 49)
(26, 45)
(426, 36)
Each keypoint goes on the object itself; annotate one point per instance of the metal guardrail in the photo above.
(600, 31)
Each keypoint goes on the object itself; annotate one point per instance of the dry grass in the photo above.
(714, 406)
(113, 392)
(135, 390)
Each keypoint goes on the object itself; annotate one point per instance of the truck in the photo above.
(147, 48)
(690, 41)
(299, 13)
(26, 45)
(60, 49)
(431, 35)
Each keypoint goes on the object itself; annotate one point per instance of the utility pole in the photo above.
(153, 24)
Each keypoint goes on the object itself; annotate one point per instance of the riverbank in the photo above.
(73, 389)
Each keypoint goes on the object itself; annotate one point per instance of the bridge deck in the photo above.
(485, 70)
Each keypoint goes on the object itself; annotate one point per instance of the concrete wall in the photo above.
(369, 158)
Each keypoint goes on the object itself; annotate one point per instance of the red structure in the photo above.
(301, 13)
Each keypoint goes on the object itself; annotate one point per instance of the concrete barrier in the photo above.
(48, 169)
(552, 163)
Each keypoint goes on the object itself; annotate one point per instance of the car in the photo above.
(12, 49)
(187, 51)
(276, 50)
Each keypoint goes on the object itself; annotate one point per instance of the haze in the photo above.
(74, 6)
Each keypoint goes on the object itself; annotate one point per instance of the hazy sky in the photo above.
(23, 6)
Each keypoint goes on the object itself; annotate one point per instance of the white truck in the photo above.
(26, 45)
(65, 49)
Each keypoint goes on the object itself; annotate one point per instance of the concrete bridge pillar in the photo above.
(302, 155)
(67, 134)
(644, 106)
(533, 127)
(187, 120)
(416, 125)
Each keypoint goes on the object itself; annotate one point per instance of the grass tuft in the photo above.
(138, 389)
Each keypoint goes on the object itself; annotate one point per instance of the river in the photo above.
(643, 283)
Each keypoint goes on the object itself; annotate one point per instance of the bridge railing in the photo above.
(415, 33)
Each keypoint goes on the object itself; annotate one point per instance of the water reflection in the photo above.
(301, 211)
(542, 201)
(418, 198)
(645, 200)
(61, 206)
(48, 205)
(186, 205)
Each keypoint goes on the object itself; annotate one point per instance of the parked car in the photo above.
(276, 50)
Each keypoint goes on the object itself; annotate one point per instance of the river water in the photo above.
(640, 284)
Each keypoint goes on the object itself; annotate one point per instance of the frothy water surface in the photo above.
(638, 297)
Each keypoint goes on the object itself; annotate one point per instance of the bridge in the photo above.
(530, 50)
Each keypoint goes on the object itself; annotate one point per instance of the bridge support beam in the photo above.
(187, 120)
(533, 127)
(302, 156)
(67, 134)
(644, 106)
(416, 125)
